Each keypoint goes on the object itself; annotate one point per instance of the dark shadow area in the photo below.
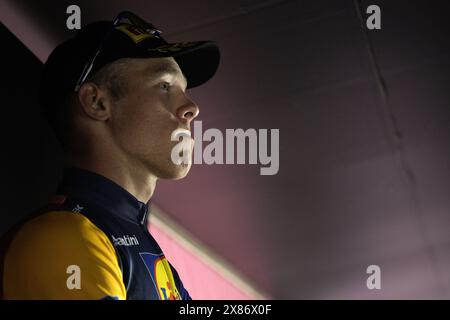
(31, 159)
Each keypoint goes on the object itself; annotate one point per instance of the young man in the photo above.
(114, 94)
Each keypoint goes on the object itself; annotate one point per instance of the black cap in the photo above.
(110, 41)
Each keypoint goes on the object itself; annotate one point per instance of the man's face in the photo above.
(153, 106)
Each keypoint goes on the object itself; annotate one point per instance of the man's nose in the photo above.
(187, 112)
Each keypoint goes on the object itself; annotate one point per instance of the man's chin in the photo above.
(175, 172)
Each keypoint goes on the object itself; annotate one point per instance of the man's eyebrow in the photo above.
(162, 69)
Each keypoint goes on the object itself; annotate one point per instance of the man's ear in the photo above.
(95, 101)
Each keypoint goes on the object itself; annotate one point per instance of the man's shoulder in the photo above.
(58, 230)
(46, 248)
(58, 222)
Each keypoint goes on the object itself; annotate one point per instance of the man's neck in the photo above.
(134, 179)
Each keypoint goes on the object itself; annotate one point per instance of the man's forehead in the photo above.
(161, 66)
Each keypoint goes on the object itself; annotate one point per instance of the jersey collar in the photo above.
(96, 188)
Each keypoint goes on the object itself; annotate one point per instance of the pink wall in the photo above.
(199, 279)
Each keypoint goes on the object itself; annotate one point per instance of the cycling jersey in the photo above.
(96, 230)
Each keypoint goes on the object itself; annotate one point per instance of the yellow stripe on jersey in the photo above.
(61, 255)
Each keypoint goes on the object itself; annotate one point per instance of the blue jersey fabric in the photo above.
(146, 272)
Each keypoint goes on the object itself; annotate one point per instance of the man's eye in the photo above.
(164, 86)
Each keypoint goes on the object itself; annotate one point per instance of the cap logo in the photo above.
(136, 34)
(173, 47)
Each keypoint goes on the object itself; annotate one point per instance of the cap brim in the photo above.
(198, 60)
